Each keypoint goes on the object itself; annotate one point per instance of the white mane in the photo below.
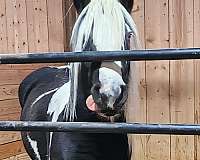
(106, 23)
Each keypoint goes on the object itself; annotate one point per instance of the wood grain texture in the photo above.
(157, 77)
(16, 26)
(25, 26)
(8, 92)
(197, 75)
(7, 137)
(9, 110)
(12, 77)
(9, 107)
(56, 25)
(181, 77)
(137, 101)
(23, 156)
(27, 66)
(70, 16)
(11, 149)
(3, 27)
(169, 92)
(37, 25)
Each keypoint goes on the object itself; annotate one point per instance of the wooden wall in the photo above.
(26, 26)
(168, 91)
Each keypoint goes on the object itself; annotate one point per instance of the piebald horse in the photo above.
(83, 92)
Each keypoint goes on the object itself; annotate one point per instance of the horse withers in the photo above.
(64, 94)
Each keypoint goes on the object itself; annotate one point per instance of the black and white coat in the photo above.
(59, 93)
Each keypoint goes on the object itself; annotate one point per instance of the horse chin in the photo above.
(103, 118)
(109, 115)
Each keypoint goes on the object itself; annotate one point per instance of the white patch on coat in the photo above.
(34, 147)
(60, 67)
(119, 63)
(43, 95)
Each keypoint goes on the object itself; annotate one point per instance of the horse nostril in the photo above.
(97, 86)
(110, 108)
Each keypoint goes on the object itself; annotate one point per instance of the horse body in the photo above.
(36, 92)
(59, 93)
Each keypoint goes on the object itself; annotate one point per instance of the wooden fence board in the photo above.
(197, 75)
(181, 77)
(3, 29)
(8, 92)
(16, 26)
(25, 26)
(157, 77)
(11, 149)
(69, 18)
(168, 91)
(37, 25)
(13, 77)
(8, 137)
(9, 107)
(137, 111)
(56, 25)
(19, 157)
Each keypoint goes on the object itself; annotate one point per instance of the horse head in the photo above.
(105, 25)
(81, 4)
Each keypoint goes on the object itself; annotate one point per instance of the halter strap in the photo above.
(112, 65)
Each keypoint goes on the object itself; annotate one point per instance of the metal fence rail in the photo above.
(84, 127)
(134, 55)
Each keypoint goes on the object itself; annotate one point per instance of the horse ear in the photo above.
(128, 4)
(80, 4)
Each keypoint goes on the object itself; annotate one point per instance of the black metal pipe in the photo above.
(84, 127)
(134, 55)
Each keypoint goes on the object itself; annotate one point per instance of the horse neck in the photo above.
(86, 74)
(84, 83)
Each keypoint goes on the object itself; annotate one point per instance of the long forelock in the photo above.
(106, 22)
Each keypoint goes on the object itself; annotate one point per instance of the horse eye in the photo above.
(130, 35)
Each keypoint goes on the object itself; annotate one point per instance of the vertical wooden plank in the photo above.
(70, 18)
(157, 77)
(137, 110)
(3, 30)
(197, 75)
(55, 25)
(181, 77)
(16, 26)
(37, 25)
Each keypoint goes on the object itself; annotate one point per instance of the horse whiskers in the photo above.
(105, 118)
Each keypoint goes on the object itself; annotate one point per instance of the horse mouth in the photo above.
(108, 115)
(104, 114)
(108, 112)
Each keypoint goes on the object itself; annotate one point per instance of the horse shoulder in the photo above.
(41, 81)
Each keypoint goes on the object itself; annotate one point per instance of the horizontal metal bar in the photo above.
(84, 127)
(134, 55)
